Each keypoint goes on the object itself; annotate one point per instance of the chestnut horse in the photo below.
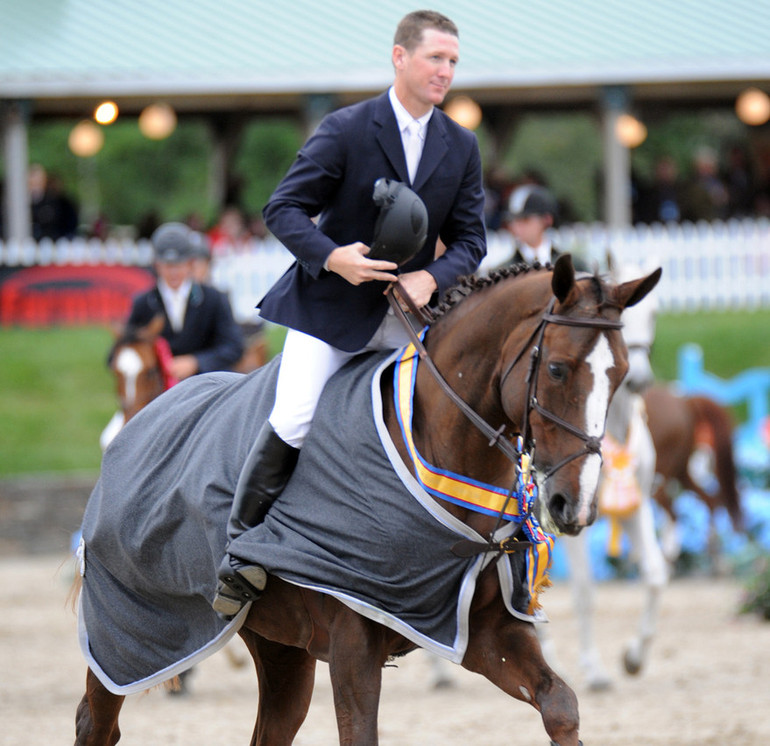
(531, 357)
(679, 426)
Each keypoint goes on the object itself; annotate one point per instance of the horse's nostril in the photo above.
(558, 507)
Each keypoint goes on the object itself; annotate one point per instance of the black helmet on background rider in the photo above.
(172, 242)
(402, 225)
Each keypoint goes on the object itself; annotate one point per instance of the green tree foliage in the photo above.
(267, 150)
(133, 177)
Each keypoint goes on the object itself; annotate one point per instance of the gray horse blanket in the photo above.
(353, 523)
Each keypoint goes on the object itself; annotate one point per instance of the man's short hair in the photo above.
(410, 29)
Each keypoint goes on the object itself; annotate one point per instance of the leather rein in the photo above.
(592, 444)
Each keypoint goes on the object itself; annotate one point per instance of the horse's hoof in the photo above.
(632, 663)
(600, 684)
(553, 743)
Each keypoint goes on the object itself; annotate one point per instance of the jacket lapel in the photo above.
(433, 151)
(389, 137)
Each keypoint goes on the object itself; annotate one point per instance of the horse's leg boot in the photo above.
(268, 468)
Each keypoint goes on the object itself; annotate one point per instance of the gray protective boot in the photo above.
(269, 466)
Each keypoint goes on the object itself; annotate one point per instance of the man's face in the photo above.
(174, 273)
(424, 76)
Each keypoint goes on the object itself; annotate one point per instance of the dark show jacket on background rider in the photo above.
(209, 332)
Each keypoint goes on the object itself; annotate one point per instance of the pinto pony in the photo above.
(525, 366)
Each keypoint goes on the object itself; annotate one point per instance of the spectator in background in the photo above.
(257, 228)
(739, 180)
(100, 228)
(54, 215)
(199, 324)
(661, 201)
(230, 234)
(147, 225)
(200, 251)
(66, 208)
(496, 186)
(705, 196)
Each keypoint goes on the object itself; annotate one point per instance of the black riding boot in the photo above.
(269, 466)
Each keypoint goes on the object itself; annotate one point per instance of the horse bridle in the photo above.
(592, 443)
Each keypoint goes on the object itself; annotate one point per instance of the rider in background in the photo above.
(199, 324)
(532, 210)
(332, 298)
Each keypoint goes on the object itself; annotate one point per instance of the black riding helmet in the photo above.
(402, 225)
(172, 242)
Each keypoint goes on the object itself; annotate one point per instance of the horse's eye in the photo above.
(557, 371)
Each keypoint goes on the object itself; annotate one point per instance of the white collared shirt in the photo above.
(541, 254)
(175, 302)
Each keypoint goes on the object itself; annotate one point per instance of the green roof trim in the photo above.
(57, 48)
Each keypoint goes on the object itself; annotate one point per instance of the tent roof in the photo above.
(233, 53)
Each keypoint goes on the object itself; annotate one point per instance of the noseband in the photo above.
(592, 444)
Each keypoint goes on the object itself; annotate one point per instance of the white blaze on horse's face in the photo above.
(601, 361)
(128, 364)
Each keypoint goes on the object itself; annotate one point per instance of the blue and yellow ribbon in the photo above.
(513, 505)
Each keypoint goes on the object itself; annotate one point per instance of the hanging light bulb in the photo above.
(465, 111)
(85, 139)
(157, 121)
(630, 131)
(106, 112)
(753, 106)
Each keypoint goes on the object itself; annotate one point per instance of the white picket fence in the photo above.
(706, 266)
(715, 266)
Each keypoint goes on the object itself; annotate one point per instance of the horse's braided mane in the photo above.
(468, 285)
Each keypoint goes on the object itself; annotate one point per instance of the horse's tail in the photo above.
(717, 419)
(74, 591)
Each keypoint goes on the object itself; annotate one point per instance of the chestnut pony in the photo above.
(537, 354)
(139, 360)
(679, 426)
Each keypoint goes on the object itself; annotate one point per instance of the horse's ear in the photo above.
(563, 279)
(630, 293)
(610, 263)
(155, 327)
(117, 329)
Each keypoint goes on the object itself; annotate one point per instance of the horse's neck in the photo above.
(620, 414)
(467, 348)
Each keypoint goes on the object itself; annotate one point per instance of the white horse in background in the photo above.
(626, 489)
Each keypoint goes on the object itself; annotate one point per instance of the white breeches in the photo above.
(307, 364)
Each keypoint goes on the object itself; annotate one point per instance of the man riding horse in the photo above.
(332, 298)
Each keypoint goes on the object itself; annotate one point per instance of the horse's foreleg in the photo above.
(286, 677)
(582, 587)
(654, 571)
(357, 652)
(96, 720)
(507, 652)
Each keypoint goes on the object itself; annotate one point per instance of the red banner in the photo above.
(69, 294)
